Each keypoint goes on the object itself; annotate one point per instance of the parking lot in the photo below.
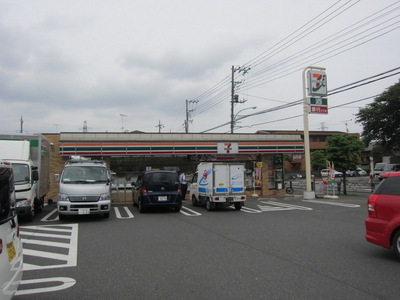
(274, 248)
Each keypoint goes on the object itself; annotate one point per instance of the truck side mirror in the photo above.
(35, 175)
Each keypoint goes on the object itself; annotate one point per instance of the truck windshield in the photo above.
(21, 173)
(84, 174)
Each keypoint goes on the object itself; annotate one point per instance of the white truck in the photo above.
(30, 159)
(217, 183)
(84, 188)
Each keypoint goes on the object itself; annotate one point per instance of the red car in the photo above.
(383, 222)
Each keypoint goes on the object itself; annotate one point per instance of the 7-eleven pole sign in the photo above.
(317, 88)
(317, 83)
(318, 105)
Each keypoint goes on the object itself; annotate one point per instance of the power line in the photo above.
(271, 74)
(300, 101)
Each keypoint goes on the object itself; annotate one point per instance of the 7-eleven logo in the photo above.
(227, 148)
(317, 83)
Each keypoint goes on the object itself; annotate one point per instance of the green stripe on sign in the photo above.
(319, 101)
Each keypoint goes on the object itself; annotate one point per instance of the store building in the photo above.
(128, 154)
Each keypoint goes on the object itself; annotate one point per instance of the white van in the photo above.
(11, 257)
(84, 188)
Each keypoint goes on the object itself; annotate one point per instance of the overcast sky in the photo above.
(131, 64)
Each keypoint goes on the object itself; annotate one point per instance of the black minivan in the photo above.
(157, 189)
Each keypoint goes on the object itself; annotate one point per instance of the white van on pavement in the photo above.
(84, 188)
(11, 257)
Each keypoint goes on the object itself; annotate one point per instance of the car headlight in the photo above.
(104, 197)
(63, 197)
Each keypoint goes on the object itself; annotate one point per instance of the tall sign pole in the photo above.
(316, 87)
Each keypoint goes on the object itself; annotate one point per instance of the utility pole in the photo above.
(323, 127)
(188, 111)
(122, 119)
(21, 126)
(159, 126)
(84, 126)
(235, 98)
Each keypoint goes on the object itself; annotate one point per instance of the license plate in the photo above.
(11, 251)
(162, 198)
(229, 199)
(84, 211)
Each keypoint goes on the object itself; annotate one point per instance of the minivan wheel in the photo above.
(396, 243)
(140, 206)
(178, 208)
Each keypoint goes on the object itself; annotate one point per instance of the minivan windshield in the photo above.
(84, 174)
(161, 178)
(21, 173)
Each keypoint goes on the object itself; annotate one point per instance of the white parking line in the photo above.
(46, 218)
(128, 212)
(332, 203)
(250, 210)
(277, 206)
(37, 235)
(65, 284)
(190, 212)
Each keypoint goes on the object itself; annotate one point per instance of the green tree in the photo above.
(318, 160)
(344, 151)
(381, 119)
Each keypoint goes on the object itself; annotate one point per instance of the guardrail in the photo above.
(336, 188)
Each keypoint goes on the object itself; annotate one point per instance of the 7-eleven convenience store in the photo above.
(128, 154)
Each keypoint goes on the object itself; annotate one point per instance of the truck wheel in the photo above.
(194, 200)
(38, 206)
(238, 205)
(61, 217)
(210, 205)
(106, 215)
(29, 217)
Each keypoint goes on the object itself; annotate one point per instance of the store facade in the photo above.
(128, 154)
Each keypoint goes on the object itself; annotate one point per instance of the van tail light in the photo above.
(179, 190)
(372, 206)
(143, 191)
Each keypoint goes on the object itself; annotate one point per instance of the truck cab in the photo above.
(29, 156)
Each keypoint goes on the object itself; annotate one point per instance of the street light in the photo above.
(236, 115)
(122, 119)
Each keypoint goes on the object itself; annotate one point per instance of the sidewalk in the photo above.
(349, 197)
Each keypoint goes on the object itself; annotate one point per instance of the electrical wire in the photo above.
(300, 101)
(344, 40)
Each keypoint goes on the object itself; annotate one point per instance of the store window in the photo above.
(275, 171)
